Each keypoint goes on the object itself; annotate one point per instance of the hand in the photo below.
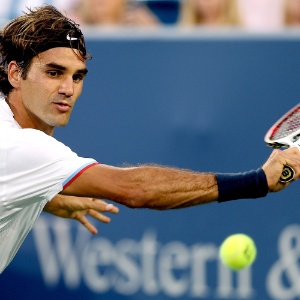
(274, 166)
(77, 207)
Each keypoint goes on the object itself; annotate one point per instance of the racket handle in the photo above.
(287, 174)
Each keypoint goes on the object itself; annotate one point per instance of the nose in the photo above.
(66, 87)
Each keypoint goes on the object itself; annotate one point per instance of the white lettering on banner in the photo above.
(59, 255)
(201, 254)
(173, 263)
(283, 280)
(128, 278)
(98, 253)
(130, 266)
(149, 250)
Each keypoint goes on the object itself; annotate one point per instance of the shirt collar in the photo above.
(6, 113)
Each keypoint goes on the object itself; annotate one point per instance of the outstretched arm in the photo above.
(158, 187)
(153, 187)
(78, 207)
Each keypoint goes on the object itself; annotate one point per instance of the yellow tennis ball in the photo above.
(238, 251)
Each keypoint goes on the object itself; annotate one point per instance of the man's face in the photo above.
(52, 85)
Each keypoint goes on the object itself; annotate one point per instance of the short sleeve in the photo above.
(35, 167)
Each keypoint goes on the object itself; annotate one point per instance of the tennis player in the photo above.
(42, 69)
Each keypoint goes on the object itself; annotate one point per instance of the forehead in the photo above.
(62, 56)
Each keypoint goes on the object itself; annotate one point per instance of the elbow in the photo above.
(143, 199)
(134, 198)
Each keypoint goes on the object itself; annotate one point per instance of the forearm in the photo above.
(166, 188)
(153, 187)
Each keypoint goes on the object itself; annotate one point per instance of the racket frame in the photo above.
(290, 140)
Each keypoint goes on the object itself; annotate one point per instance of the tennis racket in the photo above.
(284, 134)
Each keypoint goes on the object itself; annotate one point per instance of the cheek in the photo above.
(33, 82)
(78, 90)
(34, 91)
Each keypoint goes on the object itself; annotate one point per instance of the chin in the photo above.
(61, 124)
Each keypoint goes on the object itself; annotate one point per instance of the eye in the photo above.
(78, 77)
(53, 73)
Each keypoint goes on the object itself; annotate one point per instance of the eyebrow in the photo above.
(83, 71)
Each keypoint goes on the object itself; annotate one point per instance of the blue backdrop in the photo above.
(199, 102)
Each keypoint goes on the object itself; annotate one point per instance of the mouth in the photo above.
(62, 106)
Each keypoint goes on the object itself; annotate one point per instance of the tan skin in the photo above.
(45, 99)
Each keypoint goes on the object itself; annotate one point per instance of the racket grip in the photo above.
(287, 174)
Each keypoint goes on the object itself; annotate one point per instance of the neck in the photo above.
(26, 119)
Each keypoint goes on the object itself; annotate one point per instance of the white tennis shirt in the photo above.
(34, 167)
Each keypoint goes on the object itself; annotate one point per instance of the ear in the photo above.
(13, 73)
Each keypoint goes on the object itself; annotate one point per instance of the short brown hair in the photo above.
(38, 30)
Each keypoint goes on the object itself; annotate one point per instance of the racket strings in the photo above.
(288, 125)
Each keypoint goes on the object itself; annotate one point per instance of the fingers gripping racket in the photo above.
(286, 133)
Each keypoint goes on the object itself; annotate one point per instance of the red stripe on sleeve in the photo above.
(78, 174)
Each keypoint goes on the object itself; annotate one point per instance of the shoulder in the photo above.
(34, 146)
(40, 140)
